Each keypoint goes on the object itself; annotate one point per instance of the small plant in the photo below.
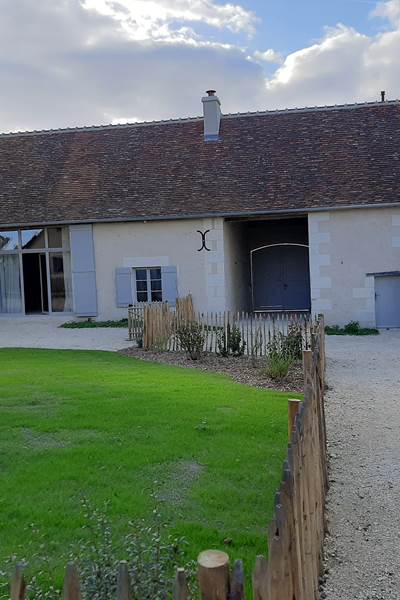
(90, 324)
(352, 328)
(202, 426)
(191, 339)
(293, 343)
(230, 342)
(152, 558)
(290, 345)
(284, 351)
(278, 365)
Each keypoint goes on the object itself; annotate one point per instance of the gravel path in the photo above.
(363, 422)
(44, 332)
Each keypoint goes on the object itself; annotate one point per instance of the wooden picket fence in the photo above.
(155, 326)
(296, 533)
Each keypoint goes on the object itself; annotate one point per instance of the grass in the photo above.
(106, 427)
(89, 324)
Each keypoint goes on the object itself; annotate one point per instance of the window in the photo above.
(60, 282)
(148, 285)
(54, 237)
(8, 240)
(32, 239)
(35, 270)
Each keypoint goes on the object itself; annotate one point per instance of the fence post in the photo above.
(181, 591)
(123, 582)
(18, 584)
(213, 575)
(260, 579)
(307, 364)
(72, 587)
(293, 409)
(237, 582)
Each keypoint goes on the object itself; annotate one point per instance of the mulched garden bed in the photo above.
(239, 368)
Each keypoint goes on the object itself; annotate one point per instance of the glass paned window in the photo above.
(148, 285)
(60, 282)
(155, 285)
(54, 237)
(8, 240)
(32, 239)
(10, 284)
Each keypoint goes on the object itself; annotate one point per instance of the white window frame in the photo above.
(148, 283)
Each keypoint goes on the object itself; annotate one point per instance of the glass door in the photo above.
(44, 289)
(36, 292)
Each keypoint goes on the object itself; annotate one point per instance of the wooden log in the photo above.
(213, 575)
(237, 582)
(124, 591)
(293, 409)
(72, 586)
(260, 579)
(181, 591)
(18, 585)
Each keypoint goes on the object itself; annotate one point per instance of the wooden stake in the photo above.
(307, 365)
(72, 587)
(18, 585)
(237, 582)
(181, 591)
(260, 579)
(293, 409)
(213, 575)
(123, 582)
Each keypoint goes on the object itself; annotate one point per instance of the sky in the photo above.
(67, 63)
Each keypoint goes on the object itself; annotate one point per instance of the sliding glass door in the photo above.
(35, 271)
(10, 284)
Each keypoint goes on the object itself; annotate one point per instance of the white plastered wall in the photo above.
(345, 246)
(161, 243)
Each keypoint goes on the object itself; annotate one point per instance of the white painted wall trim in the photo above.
(147, 261)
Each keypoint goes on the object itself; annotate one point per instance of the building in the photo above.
(270, 211)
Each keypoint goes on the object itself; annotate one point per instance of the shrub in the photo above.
(293, 343)
(191, 339)
(230, 342)
(283, 351)
(288, 346)
(152, 559)
(352, 328)
(278, 365)
(90, 324)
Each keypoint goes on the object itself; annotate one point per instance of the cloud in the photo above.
(63, 63)
(269, 56)
(163, 19)
(83, 62)
(389, 10)
(344, 66)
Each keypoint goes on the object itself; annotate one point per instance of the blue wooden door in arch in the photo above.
(281, 277)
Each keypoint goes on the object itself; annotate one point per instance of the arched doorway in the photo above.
(280, 277)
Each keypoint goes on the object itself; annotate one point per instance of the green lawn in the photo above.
(103, 426)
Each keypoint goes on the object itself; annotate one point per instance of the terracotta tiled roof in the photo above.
(264, 163)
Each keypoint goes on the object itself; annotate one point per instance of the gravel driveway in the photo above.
(44, 332)
(363, 421)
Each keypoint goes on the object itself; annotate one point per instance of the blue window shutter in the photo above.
(123, 286)
(169, 285)
(83, 270)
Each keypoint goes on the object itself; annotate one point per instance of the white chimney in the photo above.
(212, 116)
